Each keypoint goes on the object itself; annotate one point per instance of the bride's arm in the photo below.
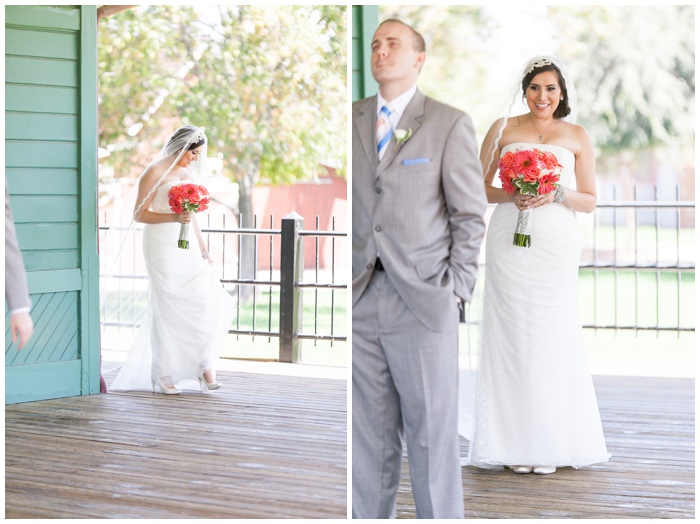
(144, 198)
(584, 198)
(200, 239)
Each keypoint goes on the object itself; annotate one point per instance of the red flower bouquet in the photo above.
(532, 172)
(187, 197)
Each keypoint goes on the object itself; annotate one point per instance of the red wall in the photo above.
(326, 199)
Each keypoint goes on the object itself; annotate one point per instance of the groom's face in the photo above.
(394, 57)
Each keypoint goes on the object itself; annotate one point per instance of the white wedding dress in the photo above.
(535, 403)
(188, 310)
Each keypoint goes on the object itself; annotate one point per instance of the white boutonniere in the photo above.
(402, 136)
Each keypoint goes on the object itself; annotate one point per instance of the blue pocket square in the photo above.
(411, 161)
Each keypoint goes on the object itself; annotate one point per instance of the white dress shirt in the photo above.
(397, 105)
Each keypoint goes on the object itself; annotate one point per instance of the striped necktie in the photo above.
(383, 131)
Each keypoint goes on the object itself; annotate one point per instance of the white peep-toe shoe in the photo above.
(521, 469)
(211, 386)
(544, 470)
(165, 388)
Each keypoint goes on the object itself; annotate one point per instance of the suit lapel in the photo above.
(411, 119)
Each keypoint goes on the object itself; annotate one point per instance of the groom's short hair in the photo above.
(418, 40)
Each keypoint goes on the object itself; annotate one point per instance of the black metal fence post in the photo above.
(291, 269)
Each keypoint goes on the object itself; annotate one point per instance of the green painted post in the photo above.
(365, 19)
(89, 261)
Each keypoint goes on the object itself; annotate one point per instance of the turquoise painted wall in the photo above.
(51, 170)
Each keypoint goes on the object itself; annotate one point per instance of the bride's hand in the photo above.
(523, 202)
(185, 217)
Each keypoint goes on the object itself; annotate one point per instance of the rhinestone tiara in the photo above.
(540, 62)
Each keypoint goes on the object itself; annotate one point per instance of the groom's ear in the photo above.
(420, 60)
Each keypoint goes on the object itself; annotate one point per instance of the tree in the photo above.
(138, 65)
(267, 82)
(270, 86)
(639, 91)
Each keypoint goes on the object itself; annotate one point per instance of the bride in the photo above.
(188, 311)
(536, 409)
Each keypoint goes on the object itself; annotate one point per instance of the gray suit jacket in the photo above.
(16, 289)
(422, 208)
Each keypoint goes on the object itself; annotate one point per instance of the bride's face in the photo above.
(543, 94)
(190, 156)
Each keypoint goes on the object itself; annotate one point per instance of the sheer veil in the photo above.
(124, 282)
(511, 105)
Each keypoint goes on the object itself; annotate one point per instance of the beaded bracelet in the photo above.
(559, 195)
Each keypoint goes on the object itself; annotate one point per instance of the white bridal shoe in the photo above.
(521, 469)
(211, 386)
(544, 470)
(166, 386)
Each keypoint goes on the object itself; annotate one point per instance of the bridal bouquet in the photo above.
(532, 172)
(187, 197)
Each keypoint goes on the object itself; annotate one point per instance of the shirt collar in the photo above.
(398, 104)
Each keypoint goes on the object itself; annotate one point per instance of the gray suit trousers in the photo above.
(404, 381)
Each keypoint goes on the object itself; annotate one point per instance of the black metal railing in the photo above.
(288, 279)
(640, 257)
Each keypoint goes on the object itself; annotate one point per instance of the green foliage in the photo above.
(267, 83)
(138, 62)
(639, 89)
(633, 66)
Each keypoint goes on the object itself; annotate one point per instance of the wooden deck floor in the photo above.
(649, 425)
(266, 446)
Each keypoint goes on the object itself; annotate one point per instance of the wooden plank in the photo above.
(54, 281)
(266, 446)
(41, 154)
(45, 260)
(41, 71)
(50, 17)
(51, 209)
(32, 382)
(47, 236)
(24, 42)
(41, 99)
(649, 427)
(32, 126)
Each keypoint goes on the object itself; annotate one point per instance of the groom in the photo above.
(417, 224)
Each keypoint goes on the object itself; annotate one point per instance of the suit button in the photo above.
(378, 229)
(370, 266)
(378, 190)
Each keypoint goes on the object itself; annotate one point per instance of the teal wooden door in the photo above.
(51, 170)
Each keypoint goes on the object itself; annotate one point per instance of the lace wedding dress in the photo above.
(188, 311)
(535, 403)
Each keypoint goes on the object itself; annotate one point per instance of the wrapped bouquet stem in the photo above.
(191, 198)
(522, 236)
(530, 172)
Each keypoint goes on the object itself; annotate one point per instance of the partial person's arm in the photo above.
(16, 288)
(489, 156)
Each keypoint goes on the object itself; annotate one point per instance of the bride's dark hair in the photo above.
(186, 133)
(563, 110)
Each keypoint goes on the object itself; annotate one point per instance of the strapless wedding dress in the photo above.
(188, 310)
(535, 402)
